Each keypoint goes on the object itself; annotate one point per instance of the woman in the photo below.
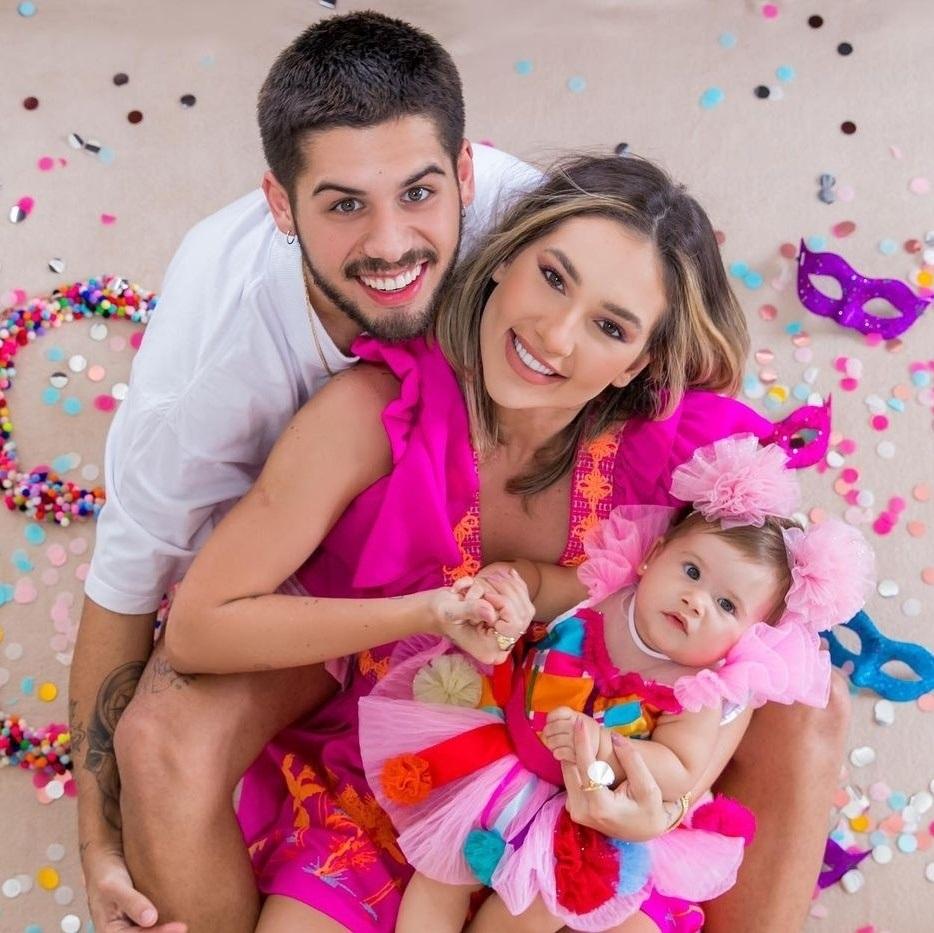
(575, 358)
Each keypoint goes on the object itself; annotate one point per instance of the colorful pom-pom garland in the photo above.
(46, 750)
(41, 494)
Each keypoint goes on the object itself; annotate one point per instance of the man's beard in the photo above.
(390, 326)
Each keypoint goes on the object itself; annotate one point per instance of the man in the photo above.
(370, 186)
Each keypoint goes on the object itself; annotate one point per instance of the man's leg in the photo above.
(182, 745)
(785, 770)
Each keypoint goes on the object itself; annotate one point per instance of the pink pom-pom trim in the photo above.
(725, 816)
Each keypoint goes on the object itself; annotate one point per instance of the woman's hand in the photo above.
(634, 811)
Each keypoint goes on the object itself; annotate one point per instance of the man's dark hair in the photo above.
(356, 70)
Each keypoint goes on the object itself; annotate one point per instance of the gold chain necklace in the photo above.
(313, 321)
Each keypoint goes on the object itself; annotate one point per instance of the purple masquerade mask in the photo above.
(857, 290)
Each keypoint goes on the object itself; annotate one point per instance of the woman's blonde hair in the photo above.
(700, 341)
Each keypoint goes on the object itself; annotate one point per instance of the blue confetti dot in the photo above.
(907, 843)
(27, 685)
(524, 67)
(750, 384)
(50, 395)
(71, 406)
(801, 391)
(794, 327)
(55, 354)
(739, 269)
(106, 155)
(6, 593)
(753, 280)
(896, 404)
(35, 534)
(897, 801)
(921, 379)
(33, 928)
(816, 243)
(838, 835)
(576, 84)
(26, 9)
(785, 73)
(20, 560)
(711, 98)
(878, 839)
(888, 247)
(63, 464)
(727, 40)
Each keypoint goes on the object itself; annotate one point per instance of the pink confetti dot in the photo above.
(25, 591)
(847, 446)
(108, 219)
(927, 575)
(841, 487)
(843, 229)
(852, 496)
(78, 545)
(768, 312)
(849, 384)
(840, 797)
(880, 422)
(896, 504)
(136, 339)
(817, 515)
(880, 791)
(846, 193)
(105, 403)
(850, 475)
(926, 703)
(26, 205)
(882, 526)
(872, 340)
(56, 555)
(96, 373)
(769, 10)
(916, 529)
(117, 344)
(839, 364)
(921, 492)
(81, 571)
(46, 164)
(919, 185)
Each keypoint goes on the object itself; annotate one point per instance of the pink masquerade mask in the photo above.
(849, 309)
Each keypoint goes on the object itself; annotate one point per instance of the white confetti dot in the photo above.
(875, 404)
(887, 588)
(835, 460)
(98, 331)
(886, 450)
(63, 895)
(884, 712)
(852, 881)
(55, 789)
(25, 883)
(816, 399)
(11, 888)
(810, 375)
(77, 363)
(14, 651)
(854, 368)
(119, 391)
(4, 676)
(70, 923)
(882, 855)
(929, 871)
(911, 607)
(864, 755)
(922, 802)
(55, 852)
(90, 471)
(865, 498)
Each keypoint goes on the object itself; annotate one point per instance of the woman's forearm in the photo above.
(277, 631)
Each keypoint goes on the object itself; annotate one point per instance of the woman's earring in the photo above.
(290, 238)
(463, 212)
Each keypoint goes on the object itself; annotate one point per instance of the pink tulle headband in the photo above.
(737, 482)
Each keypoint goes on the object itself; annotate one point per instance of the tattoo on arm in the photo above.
(162, 676)
(78, 732)
(112, 699)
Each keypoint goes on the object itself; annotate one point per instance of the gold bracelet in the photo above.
(684, 801)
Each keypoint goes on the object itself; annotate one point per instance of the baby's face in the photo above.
(698, 595)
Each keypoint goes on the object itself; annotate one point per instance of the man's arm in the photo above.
(110, 653)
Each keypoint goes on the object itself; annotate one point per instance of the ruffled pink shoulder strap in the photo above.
(434, 479)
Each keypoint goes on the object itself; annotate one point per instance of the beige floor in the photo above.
(644, 66)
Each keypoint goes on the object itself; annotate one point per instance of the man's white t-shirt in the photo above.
(227, 359)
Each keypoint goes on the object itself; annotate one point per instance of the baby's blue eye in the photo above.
(693, 571)
(726, 605)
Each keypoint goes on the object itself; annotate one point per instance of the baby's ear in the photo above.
(651, 554)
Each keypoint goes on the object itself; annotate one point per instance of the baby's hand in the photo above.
(558, 734)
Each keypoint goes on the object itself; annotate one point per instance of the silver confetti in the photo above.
(57, 266)
(17, 214)
(75, 141)
(58, 380)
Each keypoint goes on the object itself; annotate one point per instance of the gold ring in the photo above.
(591, 785)
(505, 642)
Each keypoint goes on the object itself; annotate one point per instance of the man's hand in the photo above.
(558, 735)
(116, 906)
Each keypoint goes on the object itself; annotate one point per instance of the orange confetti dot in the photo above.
(926, 703)
(841, 487)
(902, 392)
(892, 825)
(843, 229)
(925, 279)
(840, 798)
(921, 492)
(924, 842)
(916, 529)
(817, 515)
(928, 575)
(788, 250)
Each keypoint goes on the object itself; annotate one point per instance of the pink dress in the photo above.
(452, 753)
(314, 829)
